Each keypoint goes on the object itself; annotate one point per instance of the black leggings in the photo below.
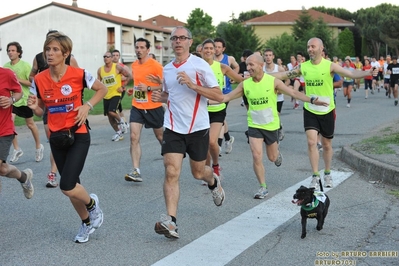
(70, 162)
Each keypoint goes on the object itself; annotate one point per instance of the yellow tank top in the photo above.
(112, 81)
(262, 101)
(217, 71)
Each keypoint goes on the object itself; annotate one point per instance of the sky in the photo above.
(218, 10)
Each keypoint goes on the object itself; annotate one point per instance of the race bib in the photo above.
(140, 96)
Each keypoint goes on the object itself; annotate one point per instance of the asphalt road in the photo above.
(363, 217)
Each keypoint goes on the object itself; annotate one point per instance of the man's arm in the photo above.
(73, 62)
(233, 64)
(124, 71)
(228, 71)
(34, 70)
(356, 74)
(290, 74)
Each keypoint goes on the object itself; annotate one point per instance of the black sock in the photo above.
(173, 219)
(86, 221)
(23, 177)
(349, 100)
(226, 136)
(220, 141)
(214, 185)
(91, 204)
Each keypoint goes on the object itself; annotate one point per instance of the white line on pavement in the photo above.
(243, 231)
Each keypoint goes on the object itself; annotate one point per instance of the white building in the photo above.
(93, 33)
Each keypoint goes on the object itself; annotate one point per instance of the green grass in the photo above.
(379, 144)
(394, 192)
(98, 109)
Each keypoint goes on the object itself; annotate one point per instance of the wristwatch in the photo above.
(148, 88)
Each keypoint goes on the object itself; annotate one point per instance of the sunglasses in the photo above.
(106, 56)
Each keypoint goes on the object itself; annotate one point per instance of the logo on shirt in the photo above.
(66, 90)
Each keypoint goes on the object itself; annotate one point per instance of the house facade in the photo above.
(274, 24)
(93, 33)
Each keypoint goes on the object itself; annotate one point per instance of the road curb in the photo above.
(370, 168)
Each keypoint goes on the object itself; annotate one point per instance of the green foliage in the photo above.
(244, 16)
(302, 25)
(200, 25)
(389, 28)
(283, 46)
(238, 37)
(341, 13)
(346, 43)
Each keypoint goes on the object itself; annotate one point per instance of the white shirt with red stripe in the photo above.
(186, 110)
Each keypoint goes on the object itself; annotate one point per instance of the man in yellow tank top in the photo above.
(318, 73)
(261, 90)
(110, 74)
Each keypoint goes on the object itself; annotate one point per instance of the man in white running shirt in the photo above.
(188, 83)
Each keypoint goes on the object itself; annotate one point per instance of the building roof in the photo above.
(289, 17)
(104, 16)
(164, 21)
(5, 19)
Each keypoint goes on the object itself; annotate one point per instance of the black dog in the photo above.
(313, 205)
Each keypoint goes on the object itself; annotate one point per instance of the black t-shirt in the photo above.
(242, 67)
(394, 71)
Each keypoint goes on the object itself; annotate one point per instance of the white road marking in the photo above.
(243, 231)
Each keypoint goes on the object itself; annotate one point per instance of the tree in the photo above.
(341, 13)
(346, 43)
(200, 25)
(389, 28)
(302, 25)
(322, 31)
(282, 46)
(238, 37)
(244, 16)
(370, 22)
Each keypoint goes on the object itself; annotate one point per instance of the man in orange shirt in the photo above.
(144, 111)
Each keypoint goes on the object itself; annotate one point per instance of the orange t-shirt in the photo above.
(381, 62)
(61, 98)
(142, 99)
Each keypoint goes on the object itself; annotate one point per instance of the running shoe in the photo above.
(315, 182)
(261, 194)
(134, 176)
(279, 159)
(166, 227)
(281, 134)
(228, 145)
(218, 192)
(83, 234)
(396, 102)
(16, 154)
(51, 180)
(296, 106)
(39, 153)
(96, 214)
(28, 186)
(319, 146)
(328, 180)
(117, 137)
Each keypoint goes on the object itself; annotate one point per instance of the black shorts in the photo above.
(120, 109)
(269, 137)
(386, 81)
(324, 124)
(111, 105)
(393, 82)
(152, 118)
(380, 75)
(279, 106)
(5, 144)
(22, 111)
(195, 144)
(244, 98)
(217, 117)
